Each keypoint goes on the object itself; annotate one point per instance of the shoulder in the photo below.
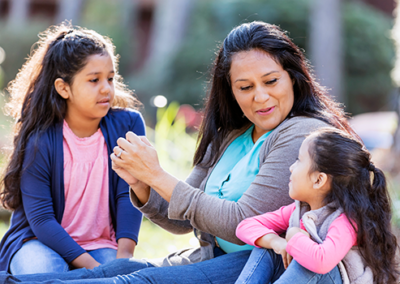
(302, 124)
(44, 139)
(124, 114)
(125, 119)
(297, 127)
(42, 146)
(288, 136)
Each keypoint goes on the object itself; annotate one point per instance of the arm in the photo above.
(156, 208)
(322, 258)
(251, 230)
(268, 192)
(126, 248)
(128, 218)
(219, 217)
(38, 205)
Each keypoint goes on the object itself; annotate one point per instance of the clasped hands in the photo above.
(278, 244)
(135, 160)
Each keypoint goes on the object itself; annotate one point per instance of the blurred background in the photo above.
(167, 48)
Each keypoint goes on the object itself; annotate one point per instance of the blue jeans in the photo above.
(35, 257)
(222, 269)
(265, 266)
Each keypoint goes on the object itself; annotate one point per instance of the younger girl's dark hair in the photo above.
(360, 189)
(61, 52)
(222, 113)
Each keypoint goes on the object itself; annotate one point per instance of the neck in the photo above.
(83, 128)
(316, 205)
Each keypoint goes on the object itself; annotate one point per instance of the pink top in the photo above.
(87, 215)
(319, 258)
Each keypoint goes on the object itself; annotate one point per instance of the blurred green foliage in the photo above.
(17, 44)
(368, 50)
(369, 58)
(175, 147)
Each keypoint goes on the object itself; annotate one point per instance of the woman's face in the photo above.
(263, 90)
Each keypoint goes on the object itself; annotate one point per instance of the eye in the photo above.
(245, 88)
(94, 80)
(271, 81)
(111, 79)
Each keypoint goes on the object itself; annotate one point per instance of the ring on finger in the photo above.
(119, 154)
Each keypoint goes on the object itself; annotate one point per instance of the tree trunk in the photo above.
(326, 45)
(395, 156)
(19, 12)
(169, 26)
(69, 10)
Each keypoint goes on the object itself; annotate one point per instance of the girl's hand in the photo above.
(139, 158)
(126, 248)
(124, 174)
(279, 247)
(293, 231)
(278, 244)
(85, 260)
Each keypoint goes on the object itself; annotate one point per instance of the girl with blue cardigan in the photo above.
(70, 209)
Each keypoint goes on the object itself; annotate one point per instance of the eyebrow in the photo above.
(95, 73)
(269, 73)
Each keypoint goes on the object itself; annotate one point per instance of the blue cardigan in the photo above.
(42, 187)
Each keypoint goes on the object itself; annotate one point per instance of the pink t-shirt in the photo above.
(319, 258)
(87, 215)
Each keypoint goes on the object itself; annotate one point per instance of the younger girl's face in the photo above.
(92, 90)
(302, 179)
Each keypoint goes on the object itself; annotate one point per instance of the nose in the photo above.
(106, 87)
(261, 95)
(291, 167)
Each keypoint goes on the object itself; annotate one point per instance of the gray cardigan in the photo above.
(190, 209)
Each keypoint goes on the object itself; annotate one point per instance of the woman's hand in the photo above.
(139, 158)
(293, 231)
(124, 174)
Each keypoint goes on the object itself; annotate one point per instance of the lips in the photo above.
(265, 111)
(103, 101)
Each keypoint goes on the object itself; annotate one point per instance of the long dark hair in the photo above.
(364, 200)
(222, 113)
(61, 52)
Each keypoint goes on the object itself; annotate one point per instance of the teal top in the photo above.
(234, 173)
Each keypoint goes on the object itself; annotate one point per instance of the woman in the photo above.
(263, 101)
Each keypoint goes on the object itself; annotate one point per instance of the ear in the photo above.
(320, 180)
(62, 88)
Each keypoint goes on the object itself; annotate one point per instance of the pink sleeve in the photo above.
(322, 258)
(251, 229)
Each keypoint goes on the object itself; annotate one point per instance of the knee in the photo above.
(35, 257)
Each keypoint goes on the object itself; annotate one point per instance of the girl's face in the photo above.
(91, 93)
(305, 185)
(262, 88)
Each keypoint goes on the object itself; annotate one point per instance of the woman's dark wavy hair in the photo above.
(222, 113)
(365, 200)
(61, 52)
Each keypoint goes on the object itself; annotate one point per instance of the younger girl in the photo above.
(71, 210)
(341, 202)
